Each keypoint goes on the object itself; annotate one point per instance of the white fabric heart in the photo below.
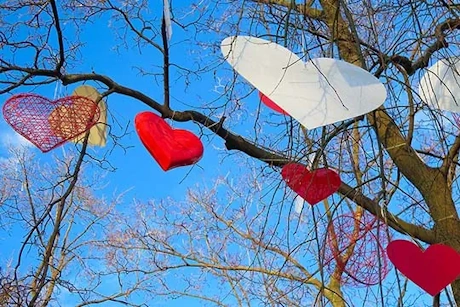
(439, 87)
(317, 93)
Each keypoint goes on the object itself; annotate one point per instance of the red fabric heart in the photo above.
(432, 269)
(170, 147)
(269, 103)
(47, 123)
(312, 186)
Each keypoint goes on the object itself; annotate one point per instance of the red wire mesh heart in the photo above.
(456, 119)
(47, 123)
(368, 264)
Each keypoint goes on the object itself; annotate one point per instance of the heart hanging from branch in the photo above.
(319, 92)
(313, 186)
(170, 147)
(46, 123)
(439, 86)
(432, 269)
(97, 133)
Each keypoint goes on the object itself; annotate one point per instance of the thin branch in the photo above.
(59, 35)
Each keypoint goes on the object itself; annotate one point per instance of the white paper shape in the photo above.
(439, 87)
(298, 204)
(167, 17)
(317, 93)
(97, 133)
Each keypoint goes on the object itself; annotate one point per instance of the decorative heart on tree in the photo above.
(317, 93)
(47, 123)
(313, 186)
(269, 103)
(432, 269)
(170, 147)
(366, 263)
(67, 119)
(439, 87)
(97, 133)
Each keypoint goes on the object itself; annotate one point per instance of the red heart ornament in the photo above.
(169, 147)
(47, 123)
(432, 269)
(269, 103)
(313, 186)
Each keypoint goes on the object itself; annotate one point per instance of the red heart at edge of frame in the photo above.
(432, 269)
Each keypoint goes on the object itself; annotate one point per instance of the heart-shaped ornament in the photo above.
(97, 133)
(47, 123)
(269, 103)
(170, 147)
(317, 93)
(439, 87)
(432, 269)
(68, 119)
(313, 186)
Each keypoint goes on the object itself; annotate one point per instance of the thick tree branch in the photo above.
(441, 31)
(236, 142)
(429, 181)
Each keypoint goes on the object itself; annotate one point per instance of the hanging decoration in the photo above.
(97, 133)
(366, 263)
(170, 147)
(298, 204)
(47, 123)
(317, 93)
(313, 186)
(432, 269)
(269, 103)
(167, 19)
(439, 87)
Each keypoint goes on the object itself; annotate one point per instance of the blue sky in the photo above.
(137, 172)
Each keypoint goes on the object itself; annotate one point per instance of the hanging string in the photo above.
(57, 89)
(304, 49)
(167, 18)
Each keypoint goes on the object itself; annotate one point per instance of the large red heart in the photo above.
(170, 147)
(47, 123)
(432, 269)
(312, 186)
(269, 103)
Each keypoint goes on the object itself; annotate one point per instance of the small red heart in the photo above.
(269, 103)
(47, 123)
(312, 186)
(432, 269)
(170, 147)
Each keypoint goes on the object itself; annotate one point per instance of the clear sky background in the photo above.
(136, 171)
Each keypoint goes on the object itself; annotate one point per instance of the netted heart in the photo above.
(47, 123)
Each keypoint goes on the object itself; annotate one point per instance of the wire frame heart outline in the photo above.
(48, 124)
(456, 118)
(368, 264)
